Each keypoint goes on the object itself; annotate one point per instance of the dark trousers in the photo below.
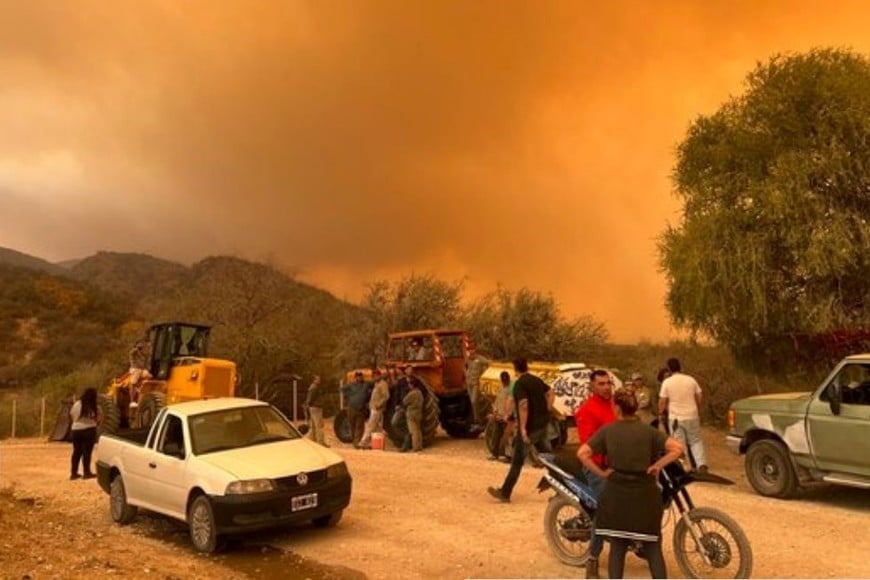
(83, 441)
(652, 550)
(357, 420)
(498, 429)
(539, 440)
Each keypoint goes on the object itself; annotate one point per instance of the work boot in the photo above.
(592, 568)
(497, 493)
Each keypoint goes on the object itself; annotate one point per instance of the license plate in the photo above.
(303, 502)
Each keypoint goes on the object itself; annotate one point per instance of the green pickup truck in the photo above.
(790, 439)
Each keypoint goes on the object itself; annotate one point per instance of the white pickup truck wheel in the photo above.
(122, 512)
(203, 530)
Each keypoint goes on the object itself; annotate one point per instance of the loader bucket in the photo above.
(61, 429)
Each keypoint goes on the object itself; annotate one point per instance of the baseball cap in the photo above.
(635, 376)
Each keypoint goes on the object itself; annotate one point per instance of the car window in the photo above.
(853, 381)
(451, 345)
(236, 428)
(172, 436)
(396, 350)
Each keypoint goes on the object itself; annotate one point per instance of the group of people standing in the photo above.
(622, 455)
(621, 452)
(366, 403)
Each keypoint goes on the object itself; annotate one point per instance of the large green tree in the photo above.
(772, 254)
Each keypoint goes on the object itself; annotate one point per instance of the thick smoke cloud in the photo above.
(514, 143)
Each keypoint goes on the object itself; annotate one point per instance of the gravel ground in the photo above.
(412, 516)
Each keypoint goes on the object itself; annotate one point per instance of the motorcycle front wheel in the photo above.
(568, 530)
(719, 538)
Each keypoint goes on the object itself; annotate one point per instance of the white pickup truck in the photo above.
(223, 466)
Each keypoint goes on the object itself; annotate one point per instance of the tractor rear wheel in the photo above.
(111, 415)
(457, 417)
(341, 426)
(396, 432)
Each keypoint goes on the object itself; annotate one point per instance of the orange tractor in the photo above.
(439, 359)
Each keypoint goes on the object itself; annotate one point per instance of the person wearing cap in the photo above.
(356, 398)
(475, 366)
(413, 405)
(377, 405)
(647, 398)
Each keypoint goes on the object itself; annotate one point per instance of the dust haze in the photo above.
(526, 144)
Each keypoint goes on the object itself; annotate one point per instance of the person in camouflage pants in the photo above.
(475, 366)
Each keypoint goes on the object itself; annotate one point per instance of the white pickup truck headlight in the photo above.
(336, 471)
(250, 486)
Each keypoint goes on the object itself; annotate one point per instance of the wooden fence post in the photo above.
(295, 385)
(42, 418)
(14, 411)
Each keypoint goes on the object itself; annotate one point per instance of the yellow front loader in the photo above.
(180, 371)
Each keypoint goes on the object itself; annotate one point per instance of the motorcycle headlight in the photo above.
(250, 486)
(336, 471)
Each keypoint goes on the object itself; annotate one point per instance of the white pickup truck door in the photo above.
(167, 491)
(137, 474)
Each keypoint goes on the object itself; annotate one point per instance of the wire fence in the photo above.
(26, 416)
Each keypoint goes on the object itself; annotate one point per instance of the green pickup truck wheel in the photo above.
(769, 469)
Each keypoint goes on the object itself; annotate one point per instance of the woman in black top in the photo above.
(630, 507)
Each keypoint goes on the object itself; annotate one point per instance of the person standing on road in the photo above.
(314, 408)
(356, 399)
(413, 405)
(630, 507)
(502, 416)
(377, 405)
(534, 400)
(590, 417)
(647, 398)
(475, 366)
(680, 397)
(663, 373)
(85, 416)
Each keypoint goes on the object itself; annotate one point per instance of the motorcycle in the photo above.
(707, 543)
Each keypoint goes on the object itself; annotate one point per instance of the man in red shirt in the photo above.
(591, 416)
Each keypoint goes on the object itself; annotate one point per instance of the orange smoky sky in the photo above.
(514, 143)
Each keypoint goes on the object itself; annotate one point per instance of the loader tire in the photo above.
(149, 405)
(111, 415)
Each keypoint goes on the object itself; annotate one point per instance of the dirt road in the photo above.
(412, 516)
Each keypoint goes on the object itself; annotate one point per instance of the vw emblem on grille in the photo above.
(302, 479)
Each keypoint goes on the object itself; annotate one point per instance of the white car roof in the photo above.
(191, 408)
(563, 368)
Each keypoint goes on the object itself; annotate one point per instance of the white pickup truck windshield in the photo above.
(234, 428)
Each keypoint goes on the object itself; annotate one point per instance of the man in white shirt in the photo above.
(680, 397)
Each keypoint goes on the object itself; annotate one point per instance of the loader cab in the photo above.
(172, 340)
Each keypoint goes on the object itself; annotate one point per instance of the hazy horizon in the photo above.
(496, 142)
